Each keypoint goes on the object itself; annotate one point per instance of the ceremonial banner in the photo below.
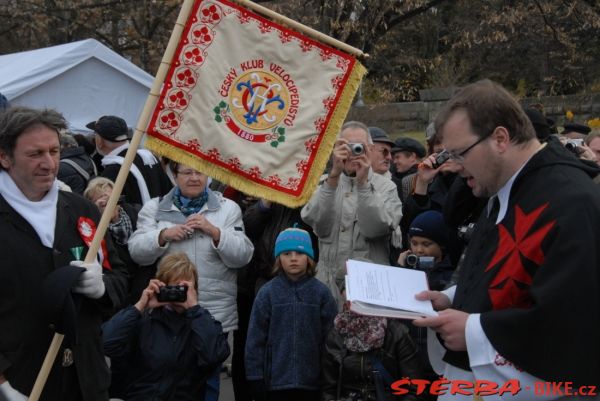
(252, 103)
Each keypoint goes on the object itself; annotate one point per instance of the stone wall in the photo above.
(397, 118)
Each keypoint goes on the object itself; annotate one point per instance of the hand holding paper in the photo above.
(450, 324)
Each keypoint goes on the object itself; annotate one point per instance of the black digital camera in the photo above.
(420, 262)
(356, 148)
(172, 293)
(441, 158)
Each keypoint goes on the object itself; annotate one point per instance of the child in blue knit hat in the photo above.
(290, 319)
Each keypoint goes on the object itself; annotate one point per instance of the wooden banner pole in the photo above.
(319, 36)
(120, 181)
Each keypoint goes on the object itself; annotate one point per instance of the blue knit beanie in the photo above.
(431, 225)
(294, 239)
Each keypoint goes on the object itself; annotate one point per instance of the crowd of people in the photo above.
(501, 214)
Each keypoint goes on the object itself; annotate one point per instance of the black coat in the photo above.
(25, 331)
(353, 371)
(534, 276)
(156, 179)
(262, 227)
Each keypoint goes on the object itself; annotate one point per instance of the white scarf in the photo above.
(41, 215)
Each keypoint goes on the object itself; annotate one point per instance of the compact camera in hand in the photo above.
(441, 158)
(172, 293)
(573, 144)
(356, 148)
(419, 262)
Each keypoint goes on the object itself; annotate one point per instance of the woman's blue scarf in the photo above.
(189, 206)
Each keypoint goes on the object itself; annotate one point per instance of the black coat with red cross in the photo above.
(535, 276)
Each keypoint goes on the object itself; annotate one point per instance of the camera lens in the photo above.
(412, 260)
(356, 148)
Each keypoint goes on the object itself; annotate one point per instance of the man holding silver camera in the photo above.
(354, 211)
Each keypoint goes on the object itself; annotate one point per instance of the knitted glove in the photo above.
(90, 282)
(10, 393)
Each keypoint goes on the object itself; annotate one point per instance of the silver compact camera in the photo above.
(573, 144)
(356, 148)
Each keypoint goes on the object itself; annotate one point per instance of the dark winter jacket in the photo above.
(139, 276)
(288, 325)
(26, 331)
(435, 199)
(164, 355)
(70, 175)
(344, 371)
(263, 225)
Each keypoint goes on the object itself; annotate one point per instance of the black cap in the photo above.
(409, 145)
(111, 128)
(379, 135)
(575, 127)
(539, 122)
(59, 305)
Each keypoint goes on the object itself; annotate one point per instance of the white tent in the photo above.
(83, 80)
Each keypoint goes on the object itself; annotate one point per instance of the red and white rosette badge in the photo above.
(87, 229)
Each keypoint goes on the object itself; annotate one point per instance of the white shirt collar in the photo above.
(503, 194)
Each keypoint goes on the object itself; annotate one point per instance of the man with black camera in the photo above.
(353, 212)
(527, 301)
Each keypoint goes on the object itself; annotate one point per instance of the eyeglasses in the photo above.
(385, 152)
(380, 148)
(189, 173)
(460, 156)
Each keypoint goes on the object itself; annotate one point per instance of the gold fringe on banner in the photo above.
(252, 188)
(330, 136)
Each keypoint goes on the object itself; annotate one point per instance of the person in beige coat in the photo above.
(354, 211)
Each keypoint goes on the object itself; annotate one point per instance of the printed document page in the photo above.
(392, 287)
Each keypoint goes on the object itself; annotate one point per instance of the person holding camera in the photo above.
(429, 189)
(428, 238)
(354, 211)
(166, 345)
(209, 229)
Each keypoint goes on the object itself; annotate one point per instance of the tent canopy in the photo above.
(83, 80)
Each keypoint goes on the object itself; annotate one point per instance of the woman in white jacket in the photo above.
(208, 228)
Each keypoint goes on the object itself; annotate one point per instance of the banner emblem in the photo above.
(258, 102)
